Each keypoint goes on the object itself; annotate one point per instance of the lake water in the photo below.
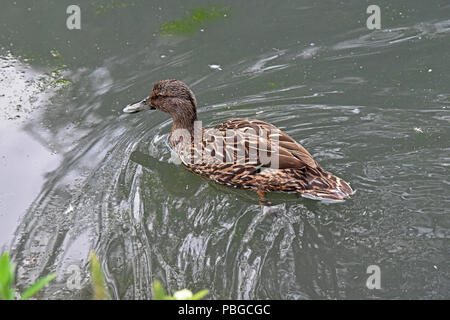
(371, 106)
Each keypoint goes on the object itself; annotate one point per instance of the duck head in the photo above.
(173, 97)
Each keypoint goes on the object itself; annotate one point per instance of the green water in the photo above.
(371, 106)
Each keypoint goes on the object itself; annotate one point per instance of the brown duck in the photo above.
(241, 153)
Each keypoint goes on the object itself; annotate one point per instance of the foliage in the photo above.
(160, 294)
(7, 275)
(98, 279)
(8, 292)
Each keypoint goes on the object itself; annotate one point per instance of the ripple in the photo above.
(388, 37)
(114, 190)
(260, 65)
(375, 39)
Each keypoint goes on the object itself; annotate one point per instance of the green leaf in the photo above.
(6, 277)
(200, 295)
(37, 286)
(159, 293)
(98, 279)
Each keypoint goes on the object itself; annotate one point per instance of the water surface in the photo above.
(371, 106)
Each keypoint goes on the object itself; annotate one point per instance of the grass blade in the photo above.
(159, 293)
(37, 286)
(98, 279)
(7, 269)
(200, 295)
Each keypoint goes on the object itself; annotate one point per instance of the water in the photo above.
(371, 106)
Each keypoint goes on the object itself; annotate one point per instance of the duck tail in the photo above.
(327, 186)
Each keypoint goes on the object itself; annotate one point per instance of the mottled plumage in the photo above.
(235, 153)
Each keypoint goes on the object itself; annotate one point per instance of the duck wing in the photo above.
(291, 153)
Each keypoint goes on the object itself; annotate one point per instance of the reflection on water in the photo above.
(353, 97)
(25, 158)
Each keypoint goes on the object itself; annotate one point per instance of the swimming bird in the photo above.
(240, 153)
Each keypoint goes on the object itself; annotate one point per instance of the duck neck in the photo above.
(186, 123)
(183, 122)
(181, 132)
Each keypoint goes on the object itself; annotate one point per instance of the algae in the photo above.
(194, 22)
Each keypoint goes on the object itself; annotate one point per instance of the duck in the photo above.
(240, 152)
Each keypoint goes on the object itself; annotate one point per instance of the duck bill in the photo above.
(138, 106)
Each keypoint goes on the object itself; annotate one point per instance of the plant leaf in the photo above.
(98, 279)
(37, 286)
(200, 295)
(7, 269)
(159, 293)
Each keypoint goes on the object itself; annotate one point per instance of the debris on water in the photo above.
(69, 209)
(24, 88)
(55, 53)
(215, 67)
(418, 130)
